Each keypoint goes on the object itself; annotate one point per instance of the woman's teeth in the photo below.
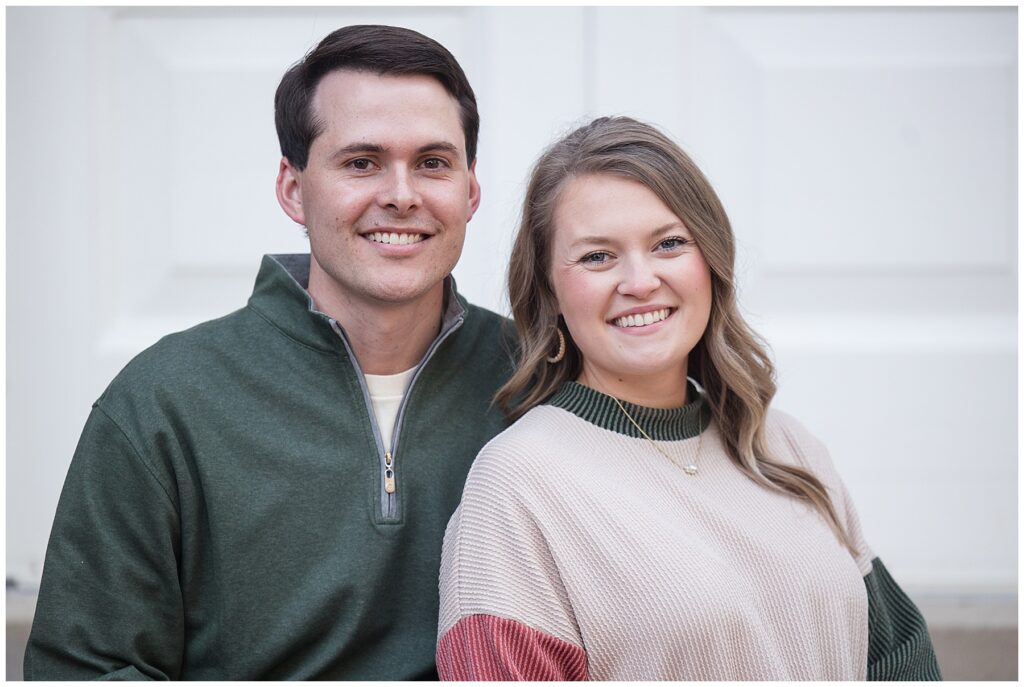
(400, 239)
(642, 319)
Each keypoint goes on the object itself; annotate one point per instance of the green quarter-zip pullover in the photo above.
(232, 513)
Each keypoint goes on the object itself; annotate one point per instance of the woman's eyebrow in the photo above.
(666, 228)
(594, 239)
(601, 239)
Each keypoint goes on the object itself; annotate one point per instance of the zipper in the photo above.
(389, 473)
(387, 457)
(386, 498)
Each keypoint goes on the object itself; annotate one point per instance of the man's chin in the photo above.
(395, 293)
(379, 283)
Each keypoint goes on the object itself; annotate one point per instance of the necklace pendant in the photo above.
(690, 469)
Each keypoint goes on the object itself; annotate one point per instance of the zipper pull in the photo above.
(389, 473)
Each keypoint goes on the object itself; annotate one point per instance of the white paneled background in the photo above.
(867, 157)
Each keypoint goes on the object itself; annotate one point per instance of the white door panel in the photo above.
(866, 156)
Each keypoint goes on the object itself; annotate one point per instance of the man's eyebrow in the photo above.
(356, 148)
(438, 146)
(376, 148)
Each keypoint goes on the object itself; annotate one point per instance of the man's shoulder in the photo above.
(180, 359)
(489, 324)
(488, 334)
(484, 318)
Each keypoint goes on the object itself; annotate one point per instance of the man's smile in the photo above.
(394, 238)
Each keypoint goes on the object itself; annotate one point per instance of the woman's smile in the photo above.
(642, 319)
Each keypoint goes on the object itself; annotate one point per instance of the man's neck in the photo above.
(386, 338)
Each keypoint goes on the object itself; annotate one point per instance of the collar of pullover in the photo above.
(280, 296)
(663, 424)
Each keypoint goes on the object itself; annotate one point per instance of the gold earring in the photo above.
(557, 357)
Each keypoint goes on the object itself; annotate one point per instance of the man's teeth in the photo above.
(392, 237)
(642, 319)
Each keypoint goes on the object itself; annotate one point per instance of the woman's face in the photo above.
(632, 285)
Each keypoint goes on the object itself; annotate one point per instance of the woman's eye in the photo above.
(673, 243)
(596, 258)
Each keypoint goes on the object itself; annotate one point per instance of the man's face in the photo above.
(387, 191)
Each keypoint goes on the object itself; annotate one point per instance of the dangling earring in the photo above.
(557, 357)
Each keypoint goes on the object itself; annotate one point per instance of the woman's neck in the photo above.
(664, 391)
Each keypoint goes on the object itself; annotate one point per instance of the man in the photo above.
(239, 506)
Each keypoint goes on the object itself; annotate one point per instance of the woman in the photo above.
(631, 524)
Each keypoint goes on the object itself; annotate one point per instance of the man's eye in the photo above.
(362, 164)
(435, 163)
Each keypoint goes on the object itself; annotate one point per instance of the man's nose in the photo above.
(639, 279)
(399, 191)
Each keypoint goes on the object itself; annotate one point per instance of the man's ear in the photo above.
(289, 191)
(474, 192)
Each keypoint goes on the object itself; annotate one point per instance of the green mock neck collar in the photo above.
(663, 424)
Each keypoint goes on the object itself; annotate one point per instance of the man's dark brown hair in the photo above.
(387, 50)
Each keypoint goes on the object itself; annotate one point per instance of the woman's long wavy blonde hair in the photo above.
(730, 361)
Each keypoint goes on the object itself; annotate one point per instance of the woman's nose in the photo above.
(639, 280)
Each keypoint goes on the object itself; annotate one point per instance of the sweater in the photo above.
(581, 552)
(231, 513)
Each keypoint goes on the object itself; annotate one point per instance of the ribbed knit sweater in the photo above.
(581, 552)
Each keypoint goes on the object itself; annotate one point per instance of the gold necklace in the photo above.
(691, 467)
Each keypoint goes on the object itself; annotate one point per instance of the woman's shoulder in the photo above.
(533, 433)
(790, 441)
(532, 448)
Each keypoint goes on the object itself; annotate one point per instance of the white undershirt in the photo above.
(386, 394)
